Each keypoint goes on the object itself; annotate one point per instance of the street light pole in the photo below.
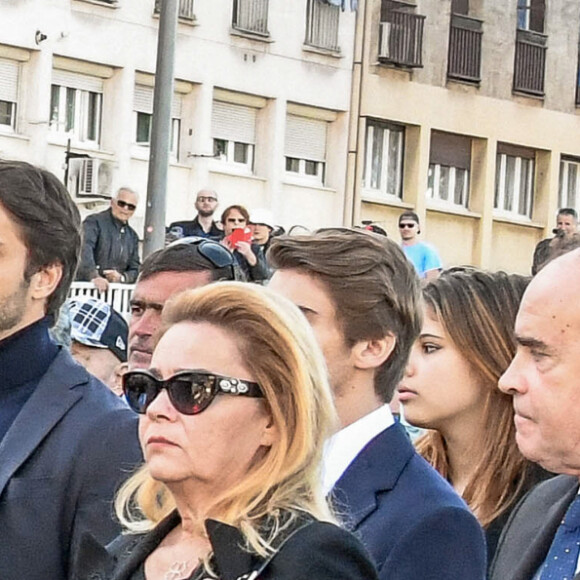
(154, 238)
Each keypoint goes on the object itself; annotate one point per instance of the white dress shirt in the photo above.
(343, 447)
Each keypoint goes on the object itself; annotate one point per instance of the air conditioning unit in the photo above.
(385, 36)
(90, 177)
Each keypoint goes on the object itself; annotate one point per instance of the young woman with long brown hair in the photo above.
(450, 387)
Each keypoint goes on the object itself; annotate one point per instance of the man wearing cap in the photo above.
(203, 224)
(66, 441)
(110, 245)
(422, 255)
(186, 263)
(99, 338)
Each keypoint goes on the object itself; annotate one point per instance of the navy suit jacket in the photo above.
(409, 518)
(60, 464)
(528, 534)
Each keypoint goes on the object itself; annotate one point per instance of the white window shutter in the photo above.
(9, 80)
(143, 99)
(176, 106)
(233, 122)
(305, 138)
(73, 80)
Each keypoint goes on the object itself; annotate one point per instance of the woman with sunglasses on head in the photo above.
(450, 387)
(233, 416)
(238, 238)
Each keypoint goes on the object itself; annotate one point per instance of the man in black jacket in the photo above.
(110, 245)
(66, 441)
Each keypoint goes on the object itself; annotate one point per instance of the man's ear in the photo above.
(44, 282)
(371, 354)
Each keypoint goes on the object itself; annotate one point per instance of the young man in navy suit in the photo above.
(362, 298)
(66, 441)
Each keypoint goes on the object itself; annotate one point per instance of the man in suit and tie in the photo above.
(362, 298)
(66, 441)
(541, 540)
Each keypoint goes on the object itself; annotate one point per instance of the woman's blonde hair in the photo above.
(477, 309)
(278, 344)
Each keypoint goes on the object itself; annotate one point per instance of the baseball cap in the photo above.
(95, 323)
(409, 215)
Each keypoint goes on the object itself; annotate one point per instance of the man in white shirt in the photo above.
(362, 298)
(542, 538)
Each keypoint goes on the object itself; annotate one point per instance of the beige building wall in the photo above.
(423, 100)
(116, 43)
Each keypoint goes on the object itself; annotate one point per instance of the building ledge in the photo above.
(453, 210)
(389, 201)
(103, 3)
(257, 36)
(306, 185)
(514, 221)
(324, 51)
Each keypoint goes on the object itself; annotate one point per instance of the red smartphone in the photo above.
(240, 235)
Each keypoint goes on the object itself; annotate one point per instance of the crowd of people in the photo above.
(247, 431)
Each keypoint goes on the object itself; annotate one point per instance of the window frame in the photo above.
(434, 193)
(501, 184)
(563, 180)
(175, 133)
(228, 158)
(382, 190)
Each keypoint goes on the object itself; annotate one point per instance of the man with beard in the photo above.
(66, 441)
(202, 225)
(186, 263)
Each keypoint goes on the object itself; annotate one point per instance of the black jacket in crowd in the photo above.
(108, 244)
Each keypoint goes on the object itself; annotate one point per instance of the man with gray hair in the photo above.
(110, 245)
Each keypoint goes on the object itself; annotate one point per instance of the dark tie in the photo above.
(562, 558)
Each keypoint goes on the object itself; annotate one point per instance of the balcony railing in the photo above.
(185, 9)
(464, 61)
(530, 62)
(401, 39)
(251, 16)
(322, 26)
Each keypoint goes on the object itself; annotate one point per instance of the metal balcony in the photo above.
(401, 39)
(464, 61)
(185, 9)
(251, 16)
(530, 63)
(322, 26)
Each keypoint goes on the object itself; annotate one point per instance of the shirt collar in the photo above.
(343, 447)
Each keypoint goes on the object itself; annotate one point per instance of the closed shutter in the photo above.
(450, 150)
(233, 122)
(305, 138)
(9, 80)
(143, 101)
(73, 80)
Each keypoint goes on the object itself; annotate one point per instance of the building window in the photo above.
(401, 34)
(384, 158)
(143, 115)
(9, 76)
(185, 11)
(449, 165)
(76, 105)
(234, 134)
(322, 25)
(251, 16)
(514, 181)
(531, 15)
(569, 186)
(305, 147)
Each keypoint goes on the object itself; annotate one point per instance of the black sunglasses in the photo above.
(218, 255)
(123, 204)
(408, 225)
(190, 392)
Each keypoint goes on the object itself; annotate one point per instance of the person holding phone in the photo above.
(238, 238)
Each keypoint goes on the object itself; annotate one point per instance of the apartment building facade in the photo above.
(467, 112)
(260, 107)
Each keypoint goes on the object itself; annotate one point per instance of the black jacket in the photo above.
(310, 550)
(108, 244)
(185, 229)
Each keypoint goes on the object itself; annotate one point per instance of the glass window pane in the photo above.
(220, 147)
(525, 182)
(460, 194)
(377, 157)
(93, 117)
(431, 181)
(310, 167)
(510, 175)
(561, 193)
(240, 152)
(292, 164)
(70, 109)
(497, 181)
(6, 113)
(394, 171)
(175, 132)
(444, 183)
(54, 104)
(144, 128)
(572, 185)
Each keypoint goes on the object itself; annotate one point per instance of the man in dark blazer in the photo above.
(544, 382)
(362, 298)
(66, 441)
